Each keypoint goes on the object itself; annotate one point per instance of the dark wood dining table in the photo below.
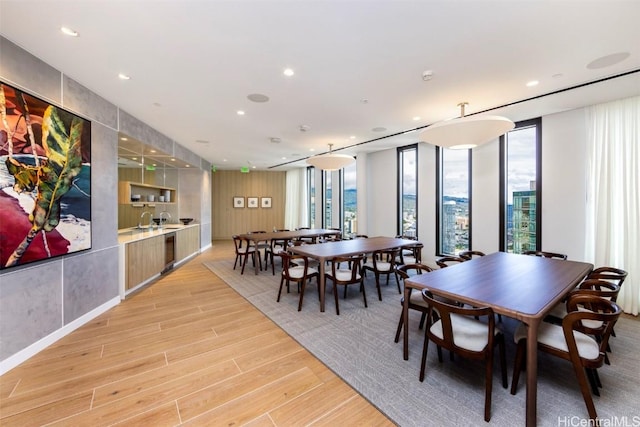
(323, 252)
(518, 286)
(287, 236)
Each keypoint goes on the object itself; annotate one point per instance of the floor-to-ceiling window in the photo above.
(349, 200)
(453, 180)
(520, 186)
(311, 191)
(327, 199)
(408, 190)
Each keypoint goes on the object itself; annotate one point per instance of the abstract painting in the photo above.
(45, 180)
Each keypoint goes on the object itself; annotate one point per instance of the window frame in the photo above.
(439, 195)
(537, 123)
(400, 182)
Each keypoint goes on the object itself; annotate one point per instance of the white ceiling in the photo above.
(193, 63)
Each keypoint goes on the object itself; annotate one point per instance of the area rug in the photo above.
(358, 345)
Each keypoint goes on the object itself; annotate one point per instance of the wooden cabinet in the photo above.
(128, 188)
(144, 259)
(187, 242)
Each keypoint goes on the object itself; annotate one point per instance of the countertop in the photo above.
(133, 234)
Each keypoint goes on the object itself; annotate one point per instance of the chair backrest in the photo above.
(360, 236)
(468, 255)
(293, 261)
(386, 256)
(446, 261)
(354, 265)
(237, 242)
(545, 254)
(597, 320)
(405, 270)
(610, 274)
(443, 310)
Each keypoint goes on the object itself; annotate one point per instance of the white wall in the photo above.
(563, 190)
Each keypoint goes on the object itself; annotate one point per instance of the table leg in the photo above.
(405, 321)
(532, 372)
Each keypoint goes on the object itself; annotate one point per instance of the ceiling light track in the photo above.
(604, 79)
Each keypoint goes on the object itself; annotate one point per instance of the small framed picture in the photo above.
(265, 202)
(252, 202)
(238, 202)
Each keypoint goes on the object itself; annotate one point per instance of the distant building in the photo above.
(524, 221)
(449, 227)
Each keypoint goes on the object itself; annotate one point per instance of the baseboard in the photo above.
(23, 355)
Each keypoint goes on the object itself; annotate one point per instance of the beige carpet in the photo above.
(358, 345)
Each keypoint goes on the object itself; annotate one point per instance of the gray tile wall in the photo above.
(37, 300)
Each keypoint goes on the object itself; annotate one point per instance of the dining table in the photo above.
(323, 252)
(286, 236)
(518, 286)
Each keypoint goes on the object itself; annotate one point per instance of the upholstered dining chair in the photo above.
(243, 250)
(469, 255)
(416, 302)
(383, 262)
(292, 271)
(411, 254)
(545, 254)
(582, 340)
(447, 261)
(468, 332)
(352, 275)
(609, 274)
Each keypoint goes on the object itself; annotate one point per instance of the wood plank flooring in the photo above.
(187, 350)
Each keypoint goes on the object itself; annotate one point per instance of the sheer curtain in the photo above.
(295, 206)
(613, 193)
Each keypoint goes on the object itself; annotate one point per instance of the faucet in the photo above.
(164, 212)
(142, 217)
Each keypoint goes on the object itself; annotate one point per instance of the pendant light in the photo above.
(466, 132)
(330, 161)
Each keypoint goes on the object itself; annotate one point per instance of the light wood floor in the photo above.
(187, 350)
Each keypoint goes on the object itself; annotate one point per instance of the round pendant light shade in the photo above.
(330, 161)
(466, 132)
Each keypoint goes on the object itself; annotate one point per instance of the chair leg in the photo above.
(488, 380)
(280, 290)
(335, 295)
(364, 293)
(423, 362)
(422, 319)
(236, 261)
(244, 262)
(584, 389)
(378, 286)
(503, 361)
(592, 381)
(397, 281)
(400, 323)
(301, 293)
(518, 365)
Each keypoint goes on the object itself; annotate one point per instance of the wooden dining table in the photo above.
(518, 286)
(286, 236)
(324, 252)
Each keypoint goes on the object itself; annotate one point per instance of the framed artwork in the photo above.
(252, 202)
(265, 202)
(238, 202)
(45, 178)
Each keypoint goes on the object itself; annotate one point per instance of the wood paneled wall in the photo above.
(228, 220)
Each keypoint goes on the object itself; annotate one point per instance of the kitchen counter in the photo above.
(133, 234)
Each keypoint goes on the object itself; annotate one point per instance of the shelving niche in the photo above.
(127, 188)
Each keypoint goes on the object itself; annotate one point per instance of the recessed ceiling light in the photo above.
(134, 158)
(124, 76)
(364, 101)
(224, 160)
(379, 129)
(152, 151)
(284, 158)
(187, 166)
(532, 83)
(258, 97)
(124, 139)
(288, 72)
(416, 118)
(202, 141)
(275, 140)
(173, 160)
(157, 104)
(312, 149)
(240, 113)
(352, 137)
(68, 31)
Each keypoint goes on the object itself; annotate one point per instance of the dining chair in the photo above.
(545, 254)
(447, 261)
(243, 252)
(383, 262)
(411, 254)
(468, 332)
(469, 255)
(292, 271)
(577, 340)
(416, 302)
(352, 275)
(610, 274)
